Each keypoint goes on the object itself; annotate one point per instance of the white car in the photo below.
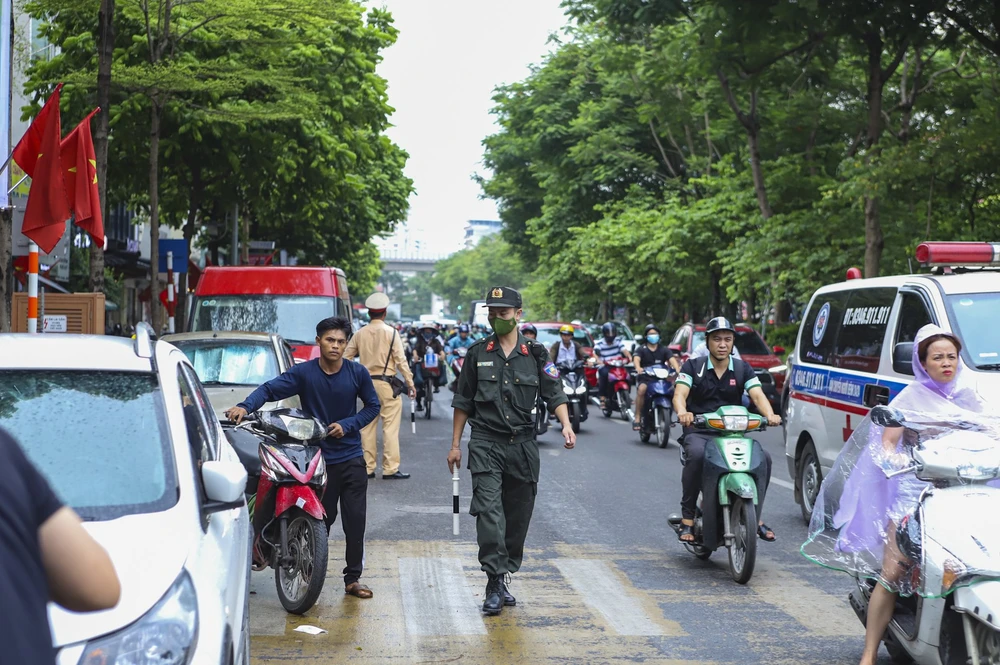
(125, 434)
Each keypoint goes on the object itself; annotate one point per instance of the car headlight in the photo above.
(165, 635)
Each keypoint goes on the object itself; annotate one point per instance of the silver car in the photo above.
(232, 364)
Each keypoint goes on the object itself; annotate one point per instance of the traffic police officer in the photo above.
(497, 389)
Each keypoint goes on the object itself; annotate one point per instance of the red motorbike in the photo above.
(286, 479)
(620, 383)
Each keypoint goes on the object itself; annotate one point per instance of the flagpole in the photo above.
(32, 288)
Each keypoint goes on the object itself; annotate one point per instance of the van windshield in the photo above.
(977, 318)
(292, 317)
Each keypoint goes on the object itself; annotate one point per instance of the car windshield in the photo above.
(549, 336)
(223, 361)
(98, 437)
(292, 317)
(748, 343)
(977, 319)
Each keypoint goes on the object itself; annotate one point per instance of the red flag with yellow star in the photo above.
(47, 209)
(26, 152)
(80, 164)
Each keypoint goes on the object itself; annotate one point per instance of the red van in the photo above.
(286, 300)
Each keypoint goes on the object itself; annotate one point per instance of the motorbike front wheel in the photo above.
(574, 416)
(428, 398)
(624, 405)
(743, 551)
(300, 582)
(662, 427)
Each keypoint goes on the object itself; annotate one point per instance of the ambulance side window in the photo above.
(913, 316)
(862, 329)
(821, 326)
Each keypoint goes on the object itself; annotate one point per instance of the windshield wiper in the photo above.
(991, 366)
(225, 383)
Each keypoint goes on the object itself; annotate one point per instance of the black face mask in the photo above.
(428, 336)
(609, 338)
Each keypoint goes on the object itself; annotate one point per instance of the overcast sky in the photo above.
(449, 57)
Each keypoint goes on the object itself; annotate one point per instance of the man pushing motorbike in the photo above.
(704, 385)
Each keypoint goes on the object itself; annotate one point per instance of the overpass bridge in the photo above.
(395, 263)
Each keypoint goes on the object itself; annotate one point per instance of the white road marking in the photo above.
(436, 598)
(782, 483)
(604, 592)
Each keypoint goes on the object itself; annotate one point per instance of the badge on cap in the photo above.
(524, 349)
(732, 382)
(497, 293)
(489, 347)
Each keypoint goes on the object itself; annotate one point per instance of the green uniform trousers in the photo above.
(504, 484)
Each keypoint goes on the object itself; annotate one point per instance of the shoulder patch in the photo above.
(551, 370)
(489, 347)
(524, 349)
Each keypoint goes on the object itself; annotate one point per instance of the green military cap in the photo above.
(503, 296)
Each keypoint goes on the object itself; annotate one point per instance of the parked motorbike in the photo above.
(457, 360)
(954, 618)
(733, 477)
(574, 383)
(620, 383)
(286, 478)
(657, 407)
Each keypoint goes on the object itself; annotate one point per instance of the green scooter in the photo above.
(734, 475)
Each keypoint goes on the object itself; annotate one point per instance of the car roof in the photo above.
(975, 281)
(74, 352)
(219, 334)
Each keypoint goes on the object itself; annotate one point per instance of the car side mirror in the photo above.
(779, 350)
(639, 339)
(224, 484)
(902, 358)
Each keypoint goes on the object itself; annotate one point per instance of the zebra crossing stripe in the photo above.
(437, 599)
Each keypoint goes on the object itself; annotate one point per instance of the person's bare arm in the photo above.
(81, 575)
(681, 392)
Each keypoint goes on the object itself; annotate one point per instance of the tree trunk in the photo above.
(245, 238)
(154, 214)
(759, 186)
(105, 52)
(6, 267)
(874, 241)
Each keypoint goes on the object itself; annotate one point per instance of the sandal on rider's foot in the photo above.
(636, 426)
(686, 530)
(763, 530)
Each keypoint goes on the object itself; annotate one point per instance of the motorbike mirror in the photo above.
(886, 416)
(639, 339)
(224, 484)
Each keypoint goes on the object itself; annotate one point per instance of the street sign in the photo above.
(180, 250)
(55, 323)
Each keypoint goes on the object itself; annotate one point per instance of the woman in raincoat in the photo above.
(859, 507)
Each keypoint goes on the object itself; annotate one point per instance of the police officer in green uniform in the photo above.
(497, 388)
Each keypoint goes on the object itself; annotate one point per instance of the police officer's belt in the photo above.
(519, 436)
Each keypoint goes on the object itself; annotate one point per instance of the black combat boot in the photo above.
(493, 602)
(508, 599)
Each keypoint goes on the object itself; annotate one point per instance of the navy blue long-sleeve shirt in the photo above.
(332, 398)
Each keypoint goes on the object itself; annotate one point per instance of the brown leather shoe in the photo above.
(358, 590)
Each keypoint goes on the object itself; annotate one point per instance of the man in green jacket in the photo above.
(497, 389)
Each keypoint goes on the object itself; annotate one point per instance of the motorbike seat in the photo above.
(246, 444)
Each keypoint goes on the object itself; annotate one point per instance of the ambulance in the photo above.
(855, 348)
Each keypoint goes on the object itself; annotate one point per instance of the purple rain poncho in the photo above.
(857, 502)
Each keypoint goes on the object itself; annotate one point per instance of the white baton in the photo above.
(454, 502)
(413, 416)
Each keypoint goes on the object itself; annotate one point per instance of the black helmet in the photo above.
(719, 323)
(649, 326)
(529, 328)
(608, 330)
(463, 328)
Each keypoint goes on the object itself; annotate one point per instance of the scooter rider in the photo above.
(529, 331)
(704, 385)
(650, 354)
(611, 346)
(460, 341)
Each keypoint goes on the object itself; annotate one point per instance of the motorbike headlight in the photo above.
(735, 423)
(299, 428)
(270, 466)
(165, 635)
(581, 390)
(568, 389)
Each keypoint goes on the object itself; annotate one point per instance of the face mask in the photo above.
(653, 339)
(428, 336)
(503, 326)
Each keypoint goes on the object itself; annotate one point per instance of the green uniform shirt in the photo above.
(499, 394)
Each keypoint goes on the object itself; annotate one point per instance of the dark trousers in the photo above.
(347, 483)
(602, 381)
(694, 454)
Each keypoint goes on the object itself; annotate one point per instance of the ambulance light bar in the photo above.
(958, 254)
